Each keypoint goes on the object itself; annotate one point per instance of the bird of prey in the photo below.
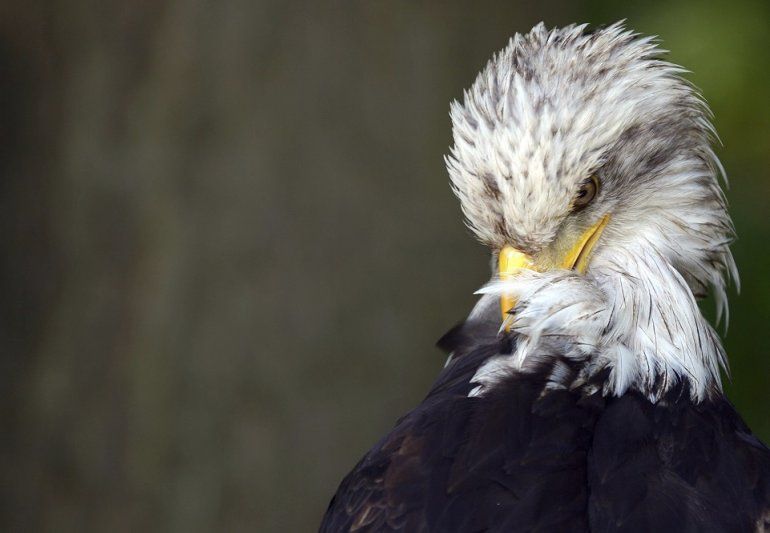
(583, 392)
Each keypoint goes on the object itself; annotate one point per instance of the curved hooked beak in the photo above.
(511, 261)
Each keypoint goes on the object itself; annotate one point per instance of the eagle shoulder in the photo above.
(512, 459)
(676, 465)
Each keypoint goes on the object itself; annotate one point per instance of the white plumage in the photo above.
(552, 109)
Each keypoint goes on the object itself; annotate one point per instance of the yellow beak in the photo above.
(511, 261)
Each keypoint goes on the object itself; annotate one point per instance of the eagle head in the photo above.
(587, 152)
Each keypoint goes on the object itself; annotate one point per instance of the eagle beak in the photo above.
(511, 261)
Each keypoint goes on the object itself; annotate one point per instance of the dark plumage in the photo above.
(520, 459)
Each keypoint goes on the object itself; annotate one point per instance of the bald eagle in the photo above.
(583, 392)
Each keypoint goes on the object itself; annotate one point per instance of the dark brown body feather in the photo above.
(520, 458)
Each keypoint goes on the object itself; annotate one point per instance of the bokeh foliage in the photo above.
(229, 243)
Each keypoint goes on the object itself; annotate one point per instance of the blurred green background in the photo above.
(229, 244)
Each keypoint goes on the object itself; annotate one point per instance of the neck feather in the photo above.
(632, 314)
(656, 335)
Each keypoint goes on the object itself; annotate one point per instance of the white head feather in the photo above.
(555, 107)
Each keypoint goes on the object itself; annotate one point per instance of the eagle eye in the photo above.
(586, 193)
